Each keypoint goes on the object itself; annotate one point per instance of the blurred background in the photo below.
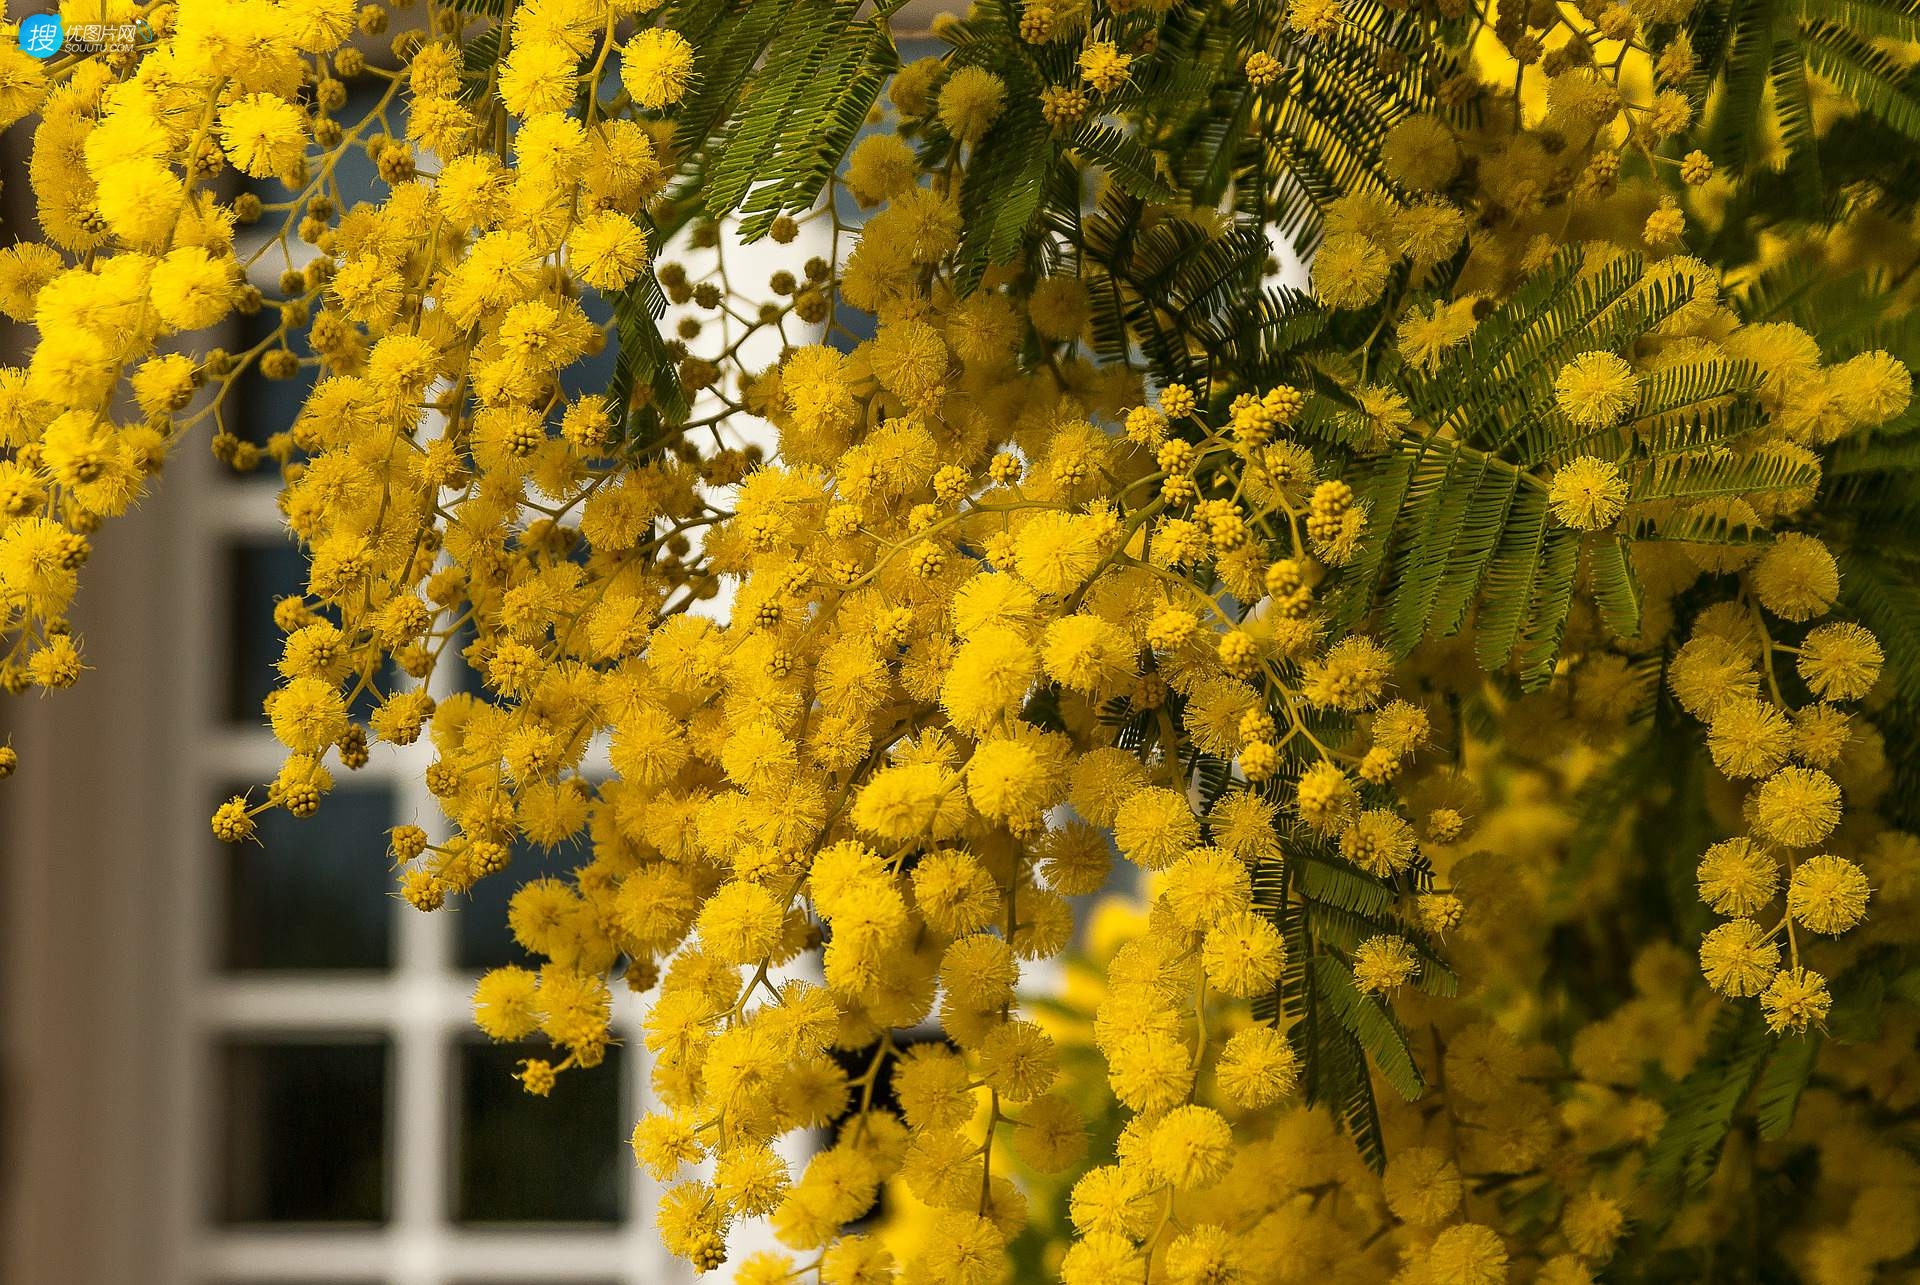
(252, 1064)
(249, 1064)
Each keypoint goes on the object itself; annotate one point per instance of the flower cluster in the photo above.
(1009, 714)
(1756, 734)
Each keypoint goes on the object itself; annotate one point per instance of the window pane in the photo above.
(316, 893)
(259, 407)
(482, 938)
(591, 374)
(523, 1159)
(304, 1132)
(260, 575)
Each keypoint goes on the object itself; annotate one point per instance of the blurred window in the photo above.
(352, 1128)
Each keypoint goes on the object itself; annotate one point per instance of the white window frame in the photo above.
(422, 1005)
(112, 1004)
(115, 1006)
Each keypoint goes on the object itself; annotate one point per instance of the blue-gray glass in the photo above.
(259, 407)
(454, 668)
(592, 374)
(852, 214)
(354, 172)
(851, 326)
(259, 575)
(303, 1128)
(315, 893)
(481, 936)
(522, 1159)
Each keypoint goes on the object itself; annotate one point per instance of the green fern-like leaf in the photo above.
(1781, 1084)
(1371, 1023)
(795, 118)
(1546, 623)
(1006, 185)
(1875, 19)
(1697, 476)
(1868, 76)
(731, 44)
(1432, 519)
(1736, 67)
(1125, 160)
(1702, 1109)
(644, 390)
(1696, 524)
(1615, 588)
(479, 55)
(1512, 579)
